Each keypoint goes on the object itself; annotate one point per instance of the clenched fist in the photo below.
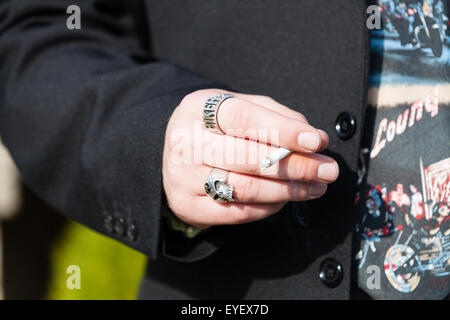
(253, 127)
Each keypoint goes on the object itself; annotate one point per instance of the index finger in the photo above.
(244, 119)
(272, 104)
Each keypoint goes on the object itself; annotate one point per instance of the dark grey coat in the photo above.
(83, 113)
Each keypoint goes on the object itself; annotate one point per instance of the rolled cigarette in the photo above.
(274, 157)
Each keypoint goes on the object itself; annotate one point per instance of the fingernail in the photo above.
(316, 190)
(309, 140)
(328, 171)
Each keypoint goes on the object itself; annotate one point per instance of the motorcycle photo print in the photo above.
(405, 228)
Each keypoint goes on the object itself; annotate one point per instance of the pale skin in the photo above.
(258, 193)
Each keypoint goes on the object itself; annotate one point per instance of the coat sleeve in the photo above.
(83, 112)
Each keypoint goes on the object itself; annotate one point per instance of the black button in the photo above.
(345, 126)
(331, 272)
(108, 222)
(119, 226)
(132, 232)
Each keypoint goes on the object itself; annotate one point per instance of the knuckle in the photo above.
(251, 169)
(242, 118)
(248, 189)
(298, 170)
(264, 98)
(299, 192)
(172, 141)
(189, 99)
(195, 97)
(178, 147)
(301, 116)
(243, 215)
(304, 170)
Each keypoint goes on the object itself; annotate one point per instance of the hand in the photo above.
(254, 126)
